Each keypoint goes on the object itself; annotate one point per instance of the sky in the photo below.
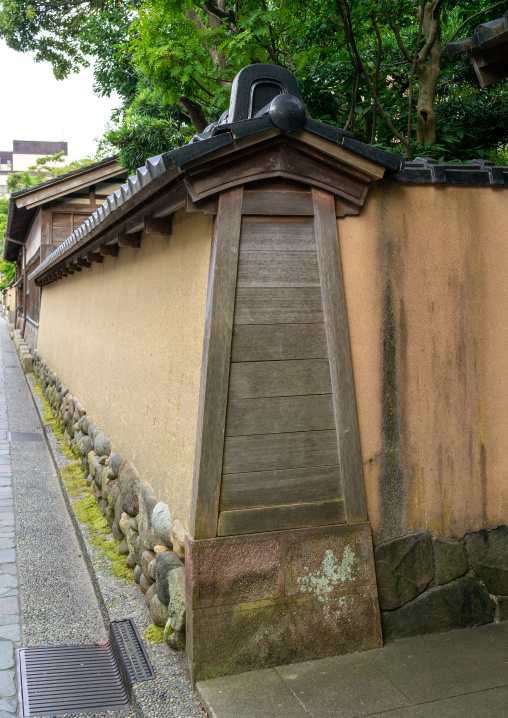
(35, 106)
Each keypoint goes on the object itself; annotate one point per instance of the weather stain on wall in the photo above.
(392, 487)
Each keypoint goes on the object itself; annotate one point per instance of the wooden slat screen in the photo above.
(280, 464)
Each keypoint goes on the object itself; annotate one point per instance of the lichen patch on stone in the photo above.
(325, 580)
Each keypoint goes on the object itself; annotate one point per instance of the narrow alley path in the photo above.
(40, 556)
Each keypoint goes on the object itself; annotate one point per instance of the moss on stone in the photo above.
(154, 634)
(88, 512)
(85, 508)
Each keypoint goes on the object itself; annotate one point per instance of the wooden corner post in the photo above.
(341, 371)
(220, 305)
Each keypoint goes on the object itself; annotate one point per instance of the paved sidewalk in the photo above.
(460, 674)
(9, 607)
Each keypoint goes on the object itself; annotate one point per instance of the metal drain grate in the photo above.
(82, 679)
(130, 652)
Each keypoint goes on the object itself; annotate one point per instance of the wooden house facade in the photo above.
(40, 218)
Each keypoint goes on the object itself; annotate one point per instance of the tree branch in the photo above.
(433, 29)
(400, 43)
(503, 2)
(411, 81)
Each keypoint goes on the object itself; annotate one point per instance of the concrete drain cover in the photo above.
(18, 436)
(82, 679)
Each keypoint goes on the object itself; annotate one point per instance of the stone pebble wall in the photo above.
(153, 544)
(428, 584)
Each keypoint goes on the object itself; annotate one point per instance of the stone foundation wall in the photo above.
(427, 584)
(151, 541)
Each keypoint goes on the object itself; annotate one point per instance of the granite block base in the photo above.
(262, 600)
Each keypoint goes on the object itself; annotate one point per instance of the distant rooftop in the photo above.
(38, 147)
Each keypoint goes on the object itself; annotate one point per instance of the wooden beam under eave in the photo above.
(109, 250)
(82, 262)
(95, 257)
(159, 225)
(129, 240)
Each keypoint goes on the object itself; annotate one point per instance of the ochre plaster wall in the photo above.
(126, 337)
(425, 272)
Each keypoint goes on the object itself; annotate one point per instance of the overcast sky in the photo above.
(37, 107)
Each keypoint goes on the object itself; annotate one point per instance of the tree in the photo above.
(7, 270)
(377, 67)
(45, 168)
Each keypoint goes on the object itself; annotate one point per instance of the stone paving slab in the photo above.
(460, 674)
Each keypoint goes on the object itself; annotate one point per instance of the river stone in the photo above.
(83, 424)
(158, 611)
(131, 537)
(149, 592)
(176, 584)
(133, 522)
(102, 444)
(146, 559)
(164, 564)
(97, 494)
(129, 480)
(174, 639)
(123, 549)
(137, 550)
(178, 539)
(86, 445)
(161, 522)
(137, 569)
(145, 583)
(102, 460)
(450, 560)
(89, 479)
(116, 531)
(147, 502)
(124, 520)
(503, 608)
(404, 568)
(488, 552)
(459, 604)
(95, 431)
(78, 436)
(103, 505)
(115, 460)
(98, 476)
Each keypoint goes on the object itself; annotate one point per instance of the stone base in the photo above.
(262, 600)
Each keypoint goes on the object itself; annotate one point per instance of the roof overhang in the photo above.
(192, 177)
(23, 204)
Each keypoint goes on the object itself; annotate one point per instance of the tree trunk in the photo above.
(428, 78)
(196, 114)
(428, 71)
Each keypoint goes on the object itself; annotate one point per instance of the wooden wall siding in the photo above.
(280, 464)
(63, 224)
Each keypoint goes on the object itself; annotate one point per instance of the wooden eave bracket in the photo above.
(159, 225)
(129, 240)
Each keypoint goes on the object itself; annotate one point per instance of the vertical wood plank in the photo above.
(220, 306)
(341, 371)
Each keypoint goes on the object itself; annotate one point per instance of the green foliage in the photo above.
(45, 168)
(149, 127)
(154, 634)
(7, 270)
(172, 63)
